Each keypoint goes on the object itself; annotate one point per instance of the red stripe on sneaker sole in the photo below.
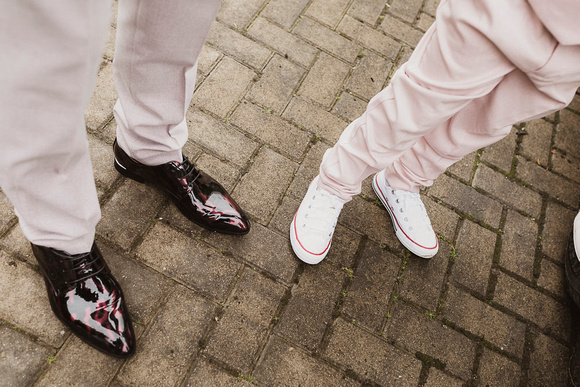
(300, 243)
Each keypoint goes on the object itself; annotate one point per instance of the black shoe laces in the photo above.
(82, 266)
(185, 170)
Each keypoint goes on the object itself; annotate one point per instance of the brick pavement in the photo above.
(278, 82)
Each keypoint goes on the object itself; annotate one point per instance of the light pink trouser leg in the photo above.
(158, 42)
(464, 86)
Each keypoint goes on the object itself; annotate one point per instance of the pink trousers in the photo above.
(50, 52)
(483, 66)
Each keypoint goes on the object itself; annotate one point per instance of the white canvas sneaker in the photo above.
(313, 224)
(410, 219)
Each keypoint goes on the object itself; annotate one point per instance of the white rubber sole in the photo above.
(302, 254)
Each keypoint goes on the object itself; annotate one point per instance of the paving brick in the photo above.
(413, 331)
(207, 375)
(285, 365)
(37, 317)
(310, 307)
(537, 143)
(369, 75)
(262, 248)
(327, 39)
(566, 165)
(77, 364)
(533, 305)
(242, 330)
(17, 245)
(222, 140)
(206, 61)
(329, 12)
(276, 85)
(548, 363)
(284, 214)
(237, 46)
(423, 279)
(239, 13)
(437, 378)
(430, 6)
(369, 37)
(102, 157)
(501, 153)
(109, 51)
(443, 219)
(402, 31)
(271, 129)
(315, 119)
(100, 107)
(123, 222)
(284, 13)
(349, 106)
(567, 131)
(518, 247)
(464, 168)
(344, 246)
(575, 104)
(367, 11)
(425, 21)
(189, 261)
(507, 190)
(557, 228)
(224, 87)
(168, 346)
(7, 215)
(370, 357)
(323, 82)
(477, 317)
(467, 200)
(474, 257)
(225, 173)
(372, 285)
(406, 9)
(308, 170)
(286, 44)
(496, 370)
(552, 278)
(553, 185)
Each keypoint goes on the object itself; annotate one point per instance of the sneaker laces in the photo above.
(411, 207)
(322, 212)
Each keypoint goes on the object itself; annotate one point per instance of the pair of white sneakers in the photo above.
(314, 222)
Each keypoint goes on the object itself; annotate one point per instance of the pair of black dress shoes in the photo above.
(83, 293)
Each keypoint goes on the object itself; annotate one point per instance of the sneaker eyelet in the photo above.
(392, 192)
(401, 210)
(397, 200)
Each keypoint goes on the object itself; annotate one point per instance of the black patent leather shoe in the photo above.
(572, 265)
(85, 296)
(199, 197)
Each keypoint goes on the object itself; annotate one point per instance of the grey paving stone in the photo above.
(222, 140)
(496, 370)
(406, 9)
(242, 330)
(271, 129)
(206, 61)
(77, 364)
(425, 21)
(237, 46)
(329, 12)
(326, 39)
(239, 13)
(123, 221)
(414, 331)
(367, 11)
(567, 132)
(20, 359)
(282, 42)
(223, 87)
(464, 168)
(207, 375)
(102, 158)
(533, 305)
(369, 37)
(566, 165)
(552, 184)
(7, 215)
(537, 143)
(371, 288)
(557, 228)
(477, 317)
(315, 119)
(101, 105)
(310, 307)
(171, 215)
(109, 51)
(423, 279)
(344, 246)
(369, 75)
(324, 80)
(15, 243)
(437, 378)
(518, 247)
(167, 347)
(507, 190)
(430, 6)
(284, 13)
(277, 84)
(370, 357)
(402, 31)
(37, 318)
(284, 214)
(189, 261)
(443, 220)
(262, 248)
(474, 256)
(308, 170)
(552, 278)
(501, 153)
(467, 200)
(349, 106)
(271, 170)
(285, 365)
(548, 363)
